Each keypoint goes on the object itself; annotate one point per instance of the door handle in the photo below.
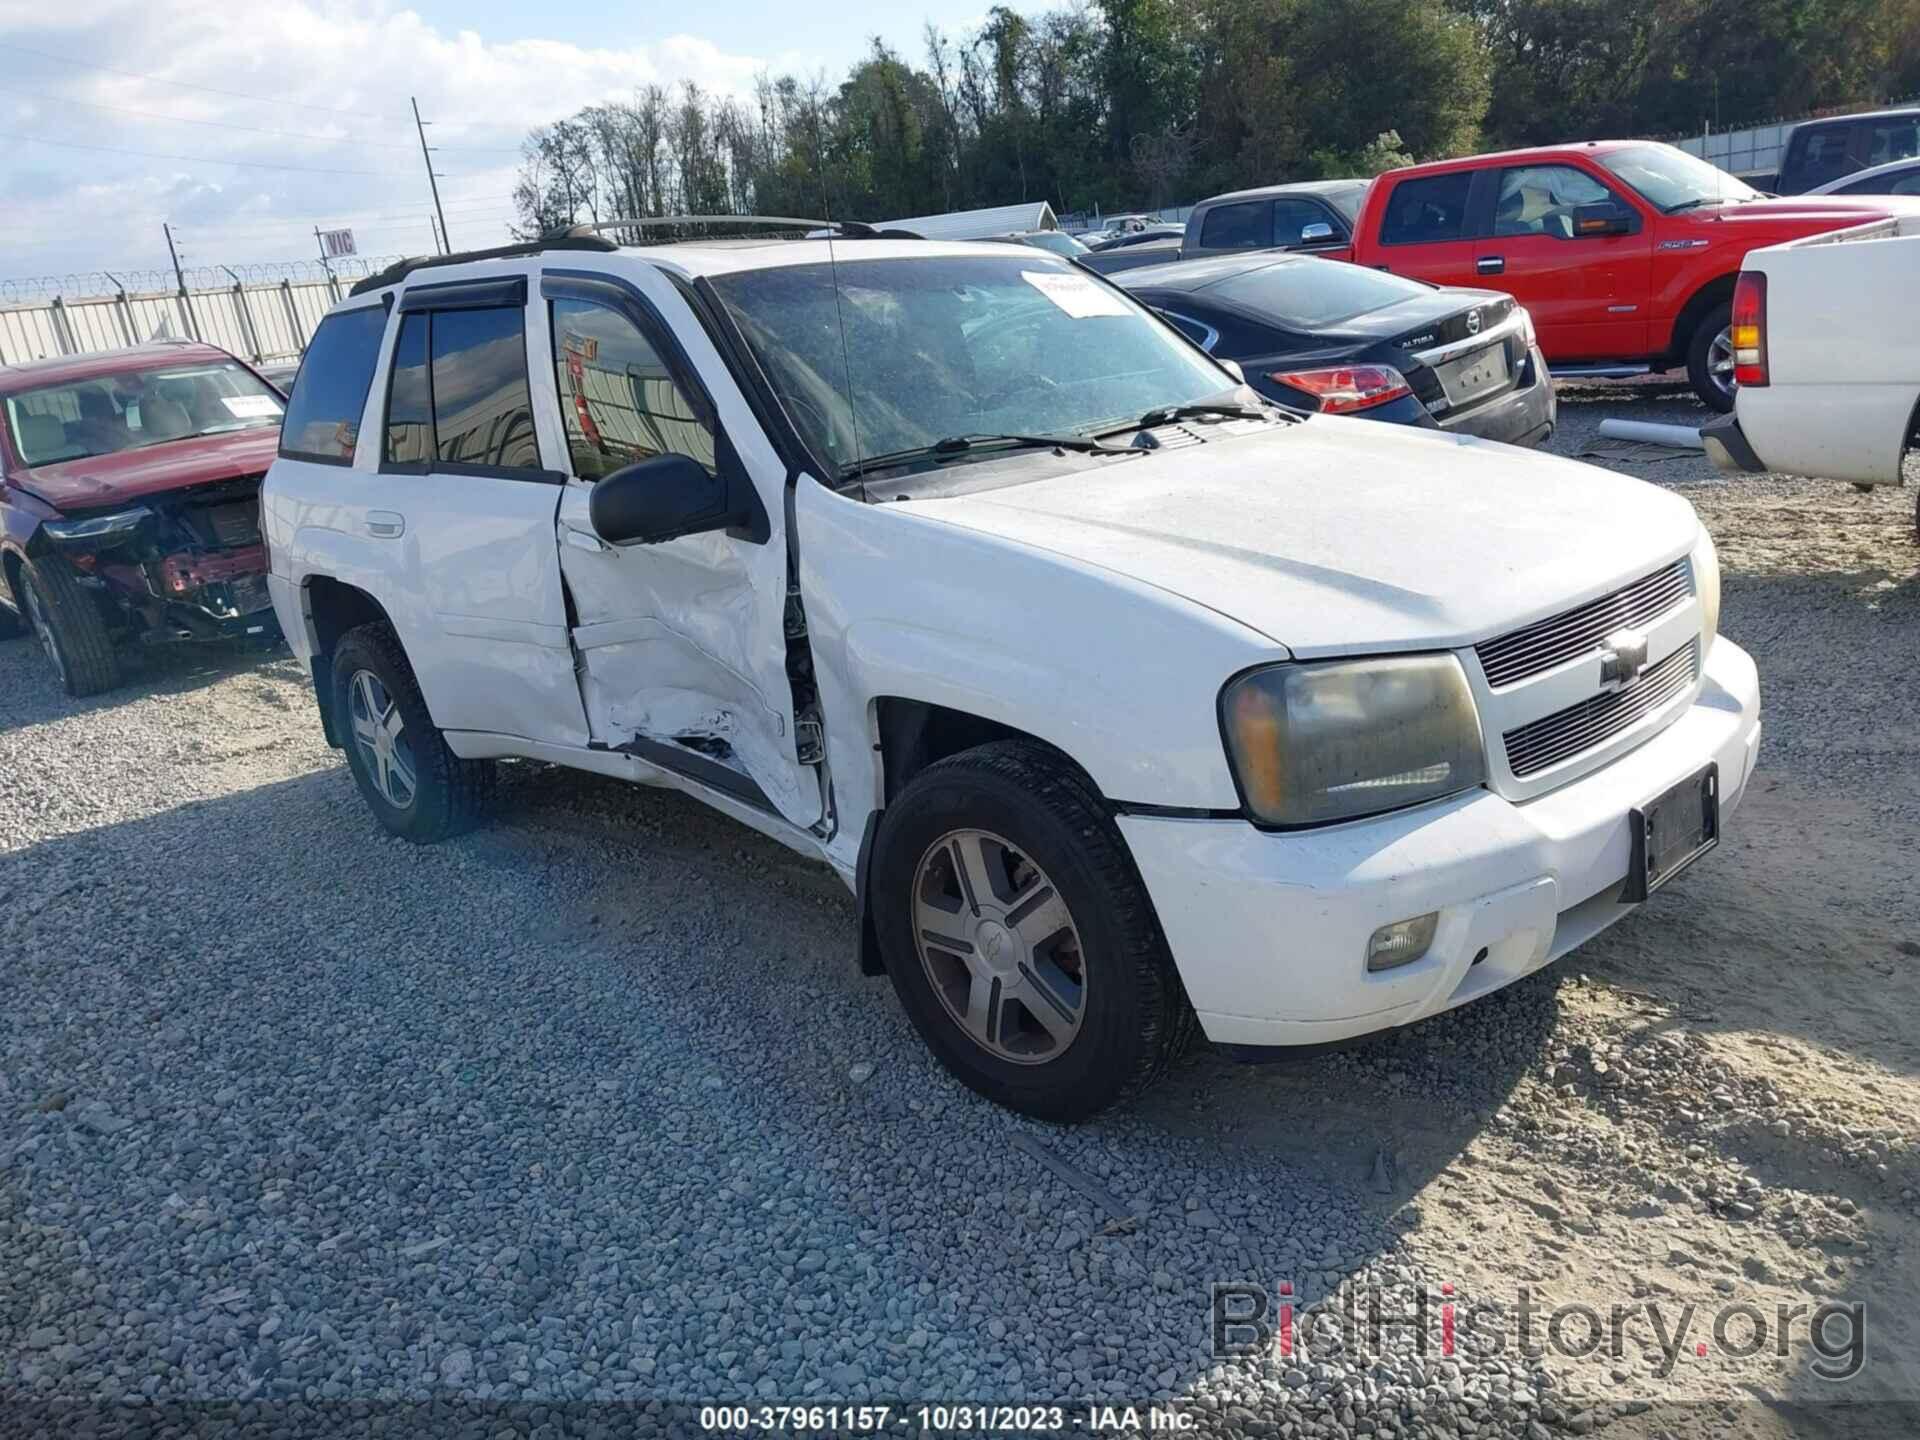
(386, 524)
(581, 540)
(1491, 264)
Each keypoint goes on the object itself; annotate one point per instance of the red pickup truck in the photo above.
(1624, 251)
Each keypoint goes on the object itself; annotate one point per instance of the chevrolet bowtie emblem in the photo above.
(1623, 656)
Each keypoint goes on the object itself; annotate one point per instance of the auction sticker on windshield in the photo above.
(1076, 294)
(251, 407)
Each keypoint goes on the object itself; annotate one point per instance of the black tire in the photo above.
(449, 796)
(1136, 1019)
(1713, 394)
(71, 628)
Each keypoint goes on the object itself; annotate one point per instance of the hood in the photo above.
(1833, 211)
(1339, 536)
(172, 465)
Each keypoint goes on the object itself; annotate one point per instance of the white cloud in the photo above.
(340, 75)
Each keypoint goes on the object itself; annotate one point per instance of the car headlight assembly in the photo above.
(1706, 584)
(1314, 743)
(93, 529)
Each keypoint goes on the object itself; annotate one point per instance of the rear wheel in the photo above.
(69, 625)
(1710, 359)
(416, 787)
(1019, 936)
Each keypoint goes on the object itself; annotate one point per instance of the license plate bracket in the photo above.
(1671, 831)
(1475, 375)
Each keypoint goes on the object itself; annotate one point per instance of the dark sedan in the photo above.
(1328, 336)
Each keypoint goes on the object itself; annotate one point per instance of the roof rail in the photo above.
(748, 222)
(400, 269)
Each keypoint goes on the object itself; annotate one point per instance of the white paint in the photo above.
(1843, 354)
(1099, 608)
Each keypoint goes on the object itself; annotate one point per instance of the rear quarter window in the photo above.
(1426, 209)
(330, 394)
(1245, 226)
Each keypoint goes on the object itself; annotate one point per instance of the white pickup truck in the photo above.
(1123, 701)
(1826, 336)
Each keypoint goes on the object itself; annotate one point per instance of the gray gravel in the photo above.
(594, 1105)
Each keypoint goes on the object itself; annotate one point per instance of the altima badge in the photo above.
(1473, 322)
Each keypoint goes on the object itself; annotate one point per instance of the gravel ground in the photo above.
(593, 1105)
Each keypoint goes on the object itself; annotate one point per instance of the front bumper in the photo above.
(1269, 931)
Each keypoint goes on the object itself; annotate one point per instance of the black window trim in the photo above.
(462, 295)
(344, 462)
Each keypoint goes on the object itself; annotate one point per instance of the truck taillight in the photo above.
(1750, 329)
(1344, 389)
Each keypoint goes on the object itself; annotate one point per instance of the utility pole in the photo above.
(180, 279)
(439, 241)
(433, 183)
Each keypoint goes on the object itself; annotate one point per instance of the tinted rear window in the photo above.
(1238, 227)
(1310, 294)
(1433, 207)
(323, 414)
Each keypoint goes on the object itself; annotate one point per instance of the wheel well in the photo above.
(913, 734)
(1714, 292)
(333, 608)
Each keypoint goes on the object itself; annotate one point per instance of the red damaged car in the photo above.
(130, 503)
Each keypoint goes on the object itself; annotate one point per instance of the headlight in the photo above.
(1314, 743)
(1706, 584)
(96, 527)
(1526, 325)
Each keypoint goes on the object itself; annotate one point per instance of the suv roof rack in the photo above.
(400, 269)
(853, 229)
(591, 236)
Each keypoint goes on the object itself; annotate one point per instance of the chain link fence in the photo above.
(262, 313)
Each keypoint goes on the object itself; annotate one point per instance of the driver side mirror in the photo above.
(1606, 218)
(667, 496)
(1317, 231)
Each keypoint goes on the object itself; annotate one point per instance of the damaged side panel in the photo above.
(678, 644)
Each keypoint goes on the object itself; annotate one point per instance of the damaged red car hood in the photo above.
(172, 465)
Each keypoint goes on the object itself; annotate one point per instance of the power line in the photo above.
(183, 84)
(199, 159)
(250, 129)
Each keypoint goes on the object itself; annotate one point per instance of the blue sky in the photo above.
(250, 134)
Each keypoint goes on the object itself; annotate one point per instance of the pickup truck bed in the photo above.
(1839, 332)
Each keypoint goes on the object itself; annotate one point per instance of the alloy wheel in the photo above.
(37, 614)
(999, 947)
(380, 732)
(1720, 362)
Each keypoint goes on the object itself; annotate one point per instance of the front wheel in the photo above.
(416, 787)
(1710, 359)
(67, 620)
(1019, 936)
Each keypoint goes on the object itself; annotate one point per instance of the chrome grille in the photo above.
(1559, 638)
(1547, 741)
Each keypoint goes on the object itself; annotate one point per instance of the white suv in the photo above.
(1121, 700)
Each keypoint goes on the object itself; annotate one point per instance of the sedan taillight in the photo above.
(1750, 329)
(1346, 388)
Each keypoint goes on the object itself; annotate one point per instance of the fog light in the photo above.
(1402, 942)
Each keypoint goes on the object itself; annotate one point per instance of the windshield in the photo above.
(135, 409)
(1347, 199)
(942, 346)
(1310, 294)
(1671, 179)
